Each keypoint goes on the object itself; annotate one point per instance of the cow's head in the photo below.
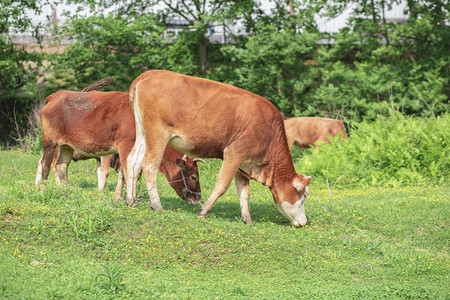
(292, 202)
(186, 182)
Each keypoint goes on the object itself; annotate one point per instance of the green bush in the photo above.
(391, 151)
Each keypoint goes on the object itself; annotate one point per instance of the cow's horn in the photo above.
(200, 160)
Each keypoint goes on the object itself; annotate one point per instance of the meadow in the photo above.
(76, 242)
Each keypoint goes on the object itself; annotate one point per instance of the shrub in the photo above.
(391, 151)
(29, 138)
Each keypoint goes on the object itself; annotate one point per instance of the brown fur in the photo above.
(97, 124)
(204, 118)
(306, 131)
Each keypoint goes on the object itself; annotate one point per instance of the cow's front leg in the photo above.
(103, 170)
(243, 190)
(54, 162)
(119, 186)
(227, 171)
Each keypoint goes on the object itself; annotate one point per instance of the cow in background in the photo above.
(103, 165)
(97, 124)
(204, 118)
(306, 131)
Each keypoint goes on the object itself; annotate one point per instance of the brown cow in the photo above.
(306, 131)
(204, 118)
(98, 124)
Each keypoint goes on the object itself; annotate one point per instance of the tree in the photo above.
(374, 65)
(200, 17)
(18, 66)
(108, 45)
(277, 59)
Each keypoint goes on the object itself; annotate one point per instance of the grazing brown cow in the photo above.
(98, 124)
(204, 118)
(306, 131)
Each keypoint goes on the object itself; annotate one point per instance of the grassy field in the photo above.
(75, 242)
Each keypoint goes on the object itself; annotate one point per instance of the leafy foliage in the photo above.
(19, 67)
(368, 68)
(104, 46)
(275, 64)
(391, 151)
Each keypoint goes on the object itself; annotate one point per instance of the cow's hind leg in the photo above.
(124, 152)
(45, 161)
(243, 190)
(62, 165)
(230, 165)
(151, 164)
(133, 166)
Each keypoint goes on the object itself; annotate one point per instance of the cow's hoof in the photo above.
(248, 222)
(131, 203)
(157, 208)
(201, 216)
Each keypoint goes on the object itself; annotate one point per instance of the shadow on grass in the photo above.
(266, 212)
(226, 210)
(87, 184)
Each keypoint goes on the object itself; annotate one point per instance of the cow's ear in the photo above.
(301, 181)
(181, 164)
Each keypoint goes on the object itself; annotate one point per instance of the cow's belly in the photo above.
(92, 149)
(194, 147)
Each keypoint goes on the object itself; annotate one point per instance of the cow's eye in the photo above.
(193, 177)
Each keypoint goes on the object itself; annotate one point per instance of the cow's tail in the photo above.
(134, 107)
(98, 84)
(133, 95)
(133, 88)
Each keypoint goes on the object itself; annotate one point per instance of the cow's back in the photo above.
(206, 116)
(88, 121)
(305, 131)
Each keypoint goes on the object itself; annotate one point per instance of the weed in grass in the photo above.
(111, 279)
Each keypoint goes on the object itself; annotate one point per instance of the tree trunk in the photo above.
(202, 53)
(412, 9)
(291, 8)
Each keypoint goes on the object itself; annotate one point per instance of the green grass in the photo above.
(75, 242)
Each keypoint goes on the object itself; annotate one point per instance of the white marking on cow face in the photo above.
(295, 212)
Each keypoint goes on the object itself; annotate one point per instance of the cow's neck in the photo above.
(283, 173)
(262, 173)
(275, 172)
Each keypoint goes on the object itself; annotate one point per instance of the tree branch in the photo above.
(176, 10)
(189, 10)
